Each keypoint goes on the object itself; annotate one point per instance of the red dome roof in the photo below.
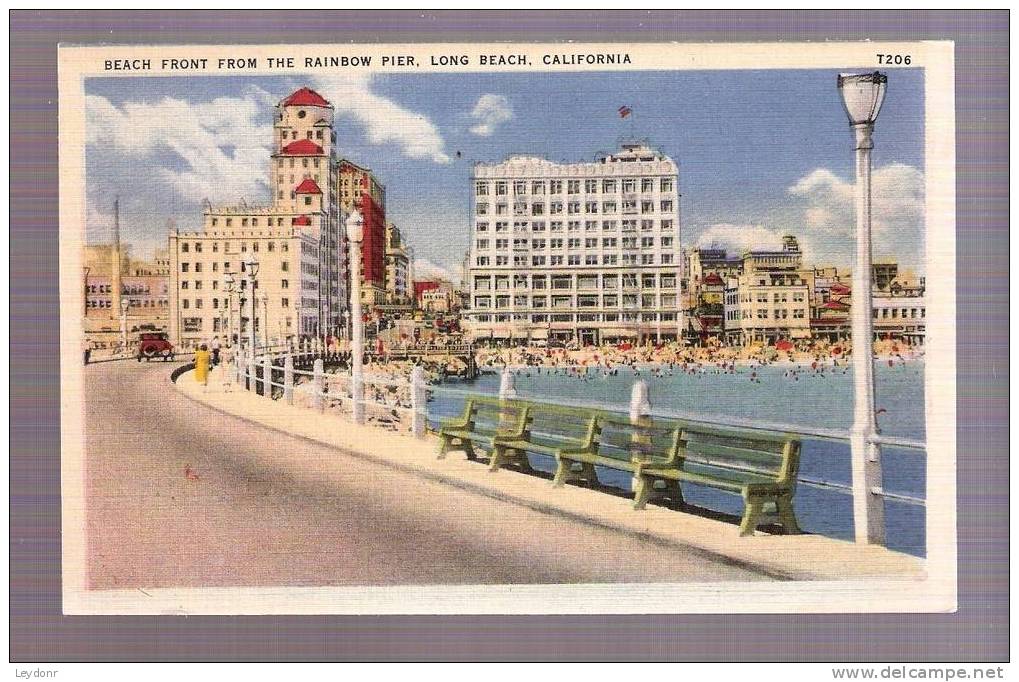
(713, 279)
(301, 220)
(309, 186)
(305, 97)
(302, 148)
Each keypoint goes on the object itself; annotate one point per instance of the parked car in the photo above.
(154, 345)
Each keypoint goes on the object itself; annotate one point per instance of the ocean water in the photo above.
(770, 393)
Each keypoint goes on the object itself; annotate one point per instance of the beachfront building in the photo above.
(585, 252)
(770, 300)
(399, 257)
(297, 240)
(143, 285)
(360, 190)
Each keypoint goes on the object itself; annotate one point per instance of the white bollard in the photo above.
(640, 415)
(319, 384)
(267, 377)
(507, 391)
(288, 379)
(419, 400)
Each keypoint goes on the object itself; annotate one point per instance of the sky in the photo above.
(760, 153)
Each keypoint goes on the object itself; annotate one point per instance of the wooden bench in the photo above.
(483, 419)
(548, 430)
(617, 444)
(761, 467)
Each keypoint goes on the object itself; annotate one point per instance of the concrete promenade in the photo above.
(708, 546)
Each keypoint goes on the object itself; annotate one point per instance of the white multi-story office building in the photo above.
(581, 251)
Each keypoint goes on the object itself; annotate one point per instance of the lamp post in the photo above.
(124, 305)
(346, 325)
(264, 300)
(228, 283)
(355, 233)
(862, 96)
(251, 265)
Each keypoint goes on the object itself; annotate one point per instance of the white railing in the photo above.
(393, 395)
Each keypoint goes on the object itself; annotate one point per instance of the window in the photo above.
(184, 247)
(482, 208)
(482, 244)
(555, 187)
(500, 188)
(537, 187)
(629, 185)
(590, 260)
(666, 207)
(482, 227)
(519, 187)
(608, 207)
(647, 185)
(573, 186)
(556, 226)
(608, 186)
(481, 189)
(666, 185)
(591, 186)
(184, 267)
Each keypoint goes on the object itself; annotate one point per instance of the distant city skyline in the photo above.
(760, 153)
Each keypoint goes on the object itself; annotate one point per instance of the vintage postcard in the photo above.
(508, 328)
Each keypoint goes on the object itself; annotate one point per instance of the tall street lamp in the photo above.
(251, 266)
(264, 300)
(862, 96)
(124, 305)
(228, 284)
(355, 233)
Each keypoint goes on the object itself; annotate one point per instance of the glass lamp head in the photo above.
(252, 266)
(355, 227)
(862, 96)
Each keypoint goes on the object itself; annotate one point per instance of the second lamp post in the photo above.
(355, 233)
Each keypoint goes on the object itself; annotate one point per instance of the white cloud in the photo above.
(384, 121)
(426, 269)
(828, 208)
(737, 238)
(490, 112)
(217, 150)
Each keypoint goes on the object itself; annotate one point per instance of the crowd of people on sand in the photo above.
(807, 357)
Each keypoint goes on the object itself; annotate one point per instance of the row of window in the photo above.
(897, 313)
(762, 314)
(195, 324)
(197, 247)
(628, 280)
(733, 298)
(611, 186)
(579, 317)
(130, 289)
(573, 243)
(187, 303)
(590, 259)
(186, 267)
(581, 301)
(573, 226)
(575, 207)
(144, 303)
(197, 284)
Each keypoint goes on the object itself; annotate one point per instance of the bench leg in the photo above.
(589, 474)
(753, 507)
(496, 461)
(562, 470)
(642, 492)
(787, 515)
(443, 446)
(468, 448)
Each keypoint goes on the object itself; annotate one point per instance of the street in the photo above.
(181, 496)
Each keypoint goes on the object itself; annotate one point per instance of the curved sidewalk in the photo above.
(797, 557)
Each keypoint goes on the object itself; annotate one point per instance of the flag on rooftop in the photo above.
(625, 111)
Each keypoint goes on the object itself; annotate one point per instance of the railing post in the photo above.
(507, 391)
(640, 415)
(288, 379)
(238, 365)
(319, 383)
(419, 400)
(267, 377)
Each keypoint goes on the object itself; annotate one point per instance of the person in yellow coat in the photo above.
(202, 365)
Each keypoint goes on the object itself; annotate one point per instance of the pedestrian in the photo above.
(87, 350)
(214, 345)
(202, 364)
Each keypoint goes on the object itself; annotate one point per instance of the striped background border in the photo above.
(978, 632)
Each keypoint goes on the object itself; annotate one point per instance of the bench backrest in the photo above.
(655, 439)
(491, 415)
(560, 426)
(776, 456)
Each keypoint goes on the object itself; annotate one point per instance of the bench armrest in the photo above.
(577, 451)
(454, 423)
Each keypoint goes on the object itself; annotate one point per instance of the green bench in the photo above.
(617, 444)
(483, 419)
(761, 467)
(548, 430)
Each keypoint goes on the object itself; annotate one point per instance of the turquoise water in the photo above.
(770, 393)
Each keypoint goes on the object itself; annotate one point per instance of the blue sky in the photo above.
(761, 153)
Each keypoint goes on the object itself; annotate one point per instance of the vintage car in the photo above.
(154, 345)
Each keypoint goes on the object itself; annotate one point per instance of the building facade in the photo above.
(296, 239)
(587, 252)
(770, 300)
(360, 190)
(399, 257)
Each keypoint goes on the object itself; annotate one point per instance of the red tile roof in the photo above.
(713, 279)
(302, 148)
(308, 186)
(835, 305)
(301, 220)
(305, 97)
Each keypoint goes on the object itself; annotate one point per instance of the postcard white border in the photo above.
(938, 593)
